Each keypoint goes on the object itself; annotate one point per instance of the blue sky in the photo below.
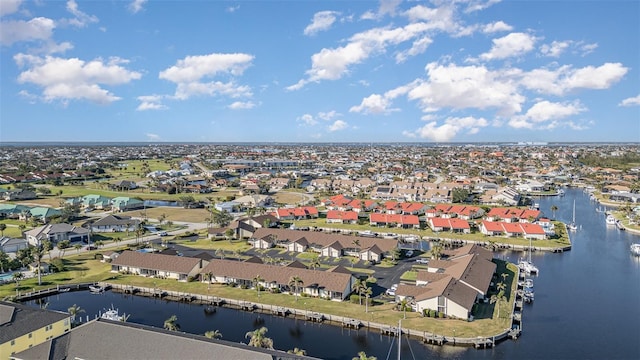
(320, 71)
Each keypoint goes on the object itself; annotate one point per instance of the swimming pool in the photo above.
(8, 277)
(147, 250)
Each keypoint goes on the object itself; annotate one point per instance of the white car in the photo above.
(422, 261)
(392, 290)
(409, 253)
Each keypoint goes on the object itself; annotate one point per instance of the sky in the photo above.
(320, 71)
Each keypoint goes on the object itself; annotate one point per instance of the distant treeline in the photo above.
(623, 162)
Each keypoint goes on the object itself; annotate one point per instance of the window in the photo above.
(13, 342)
(30, 335)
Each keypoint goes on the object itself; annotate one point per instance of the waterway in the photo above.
(587, 305)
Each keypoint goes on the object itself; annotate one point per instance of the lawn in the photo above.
(173, 213)
(84, 268)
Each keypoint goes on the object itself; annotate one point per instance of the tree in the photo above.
(213, 334)
(229, 234)
(459, 195)
(139, 232)
(2, 229)
(161, 218)
(436, 251)
(220, 253)
(258, 338)
(501, 286)
(222, 218)
(63, 245)
(367, 293)
(4, 261)
(99, 243)
(77, 247)
(17, 276)
(297, 351)
(37, 252)
(295, 282)
(553, 210)
(73, 311)
(315, 263)
(405, 305)
(498, 299)
(358, 286)
(256, 282)
(171, 323)
(363, 356)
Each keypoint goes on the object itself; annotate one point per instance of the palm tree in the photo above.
(77, 247)
(404, 305)
(504, 276)
(256, 283)
(4, 261)
(363, 356)
(171, 323)
(63, 245)
(2, 228)
(358, 286)
(498, 299)
(38, 252)
(315, 263)
(295, 282)
(436, 250)
(220, 253)
(258, 338)
(501, 286)
(47, 246)
(73, 311)
(208, 276)
(297, 351)
(17, 276)
(99, 243)
(367, 292)
(213, 334)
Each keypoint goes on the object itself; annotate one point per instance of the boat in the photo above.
(526, 265)
(96, 289)
(635, 249)
(64, 290)
(560, 192)
(610, 220)
(528, 283)
(573, 226)
(112, 314)
(528, 296)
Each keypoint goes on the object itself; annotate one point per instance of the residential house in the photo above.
(44, 214)
(523, 229)
(93, 201)
(137, 341)
(452, 286)
(56, 233)
(12, 245)
(123, 203)
(163, 266)
(394, 220)
(18, 194)
(324, 284)
(342, 217)
(115, 223)
(22, 327)
(455, 225)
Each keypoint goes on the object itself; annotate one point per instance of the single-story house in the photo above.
(163, 266)
(57, 232)
(115, 223)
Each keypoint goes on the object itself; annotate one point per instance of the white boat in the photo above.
(112, 314)
(635, 249)
(610, 220)
(560, 192)
(96, 289)
(528, 267)
(528, 283)
(573, 226)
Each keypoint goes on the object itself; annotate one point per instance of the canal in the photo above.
(587, 305)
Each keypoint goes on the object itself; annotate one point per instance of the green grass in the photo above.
(410, 275)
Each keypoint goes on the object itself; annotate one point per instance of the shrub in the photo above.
(440, 314)
(432, 313)
(425, 312)
(354, 298)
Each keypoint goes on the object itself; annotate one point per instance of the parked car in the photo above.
(409, 253)
(392, 290)
(422, 261)
(163, 233)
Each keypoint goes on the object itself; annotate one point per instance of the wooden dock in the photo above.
(280, 310)
(314, 316)
(351, 323)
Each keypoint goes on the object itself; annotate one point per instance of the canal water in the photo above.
(587, 306)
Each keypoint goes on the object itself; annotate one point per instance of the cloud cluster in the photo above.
(321, 21)
(74, 79)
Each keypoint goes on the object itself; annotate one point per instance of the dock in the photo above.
(351, 323)
(314, 316)
(280, 311)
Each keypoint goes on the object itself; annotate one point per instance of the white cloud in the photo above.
(632, 101)
(188, 75)
(74, 79)
(387, 7)
(152, 137)
(546, 115)
(136, 6)
(81, 19)
(496, 27)
(39, 28)
(477, 5)
(308, 119)
(328, 116)
(419, 46)
(9, 7)
(449, 129)
(461, 87)
(565, 78)
(151, 102)
(338, 125)
(587, 49)
(373, 104)
(232, 9)
(242, 105)
(555, 48)
(321, 21)
(512, 45)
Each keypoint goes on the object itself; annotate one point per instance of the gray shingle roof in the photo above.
(177, 264)
(103, 339)
(18, 319)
